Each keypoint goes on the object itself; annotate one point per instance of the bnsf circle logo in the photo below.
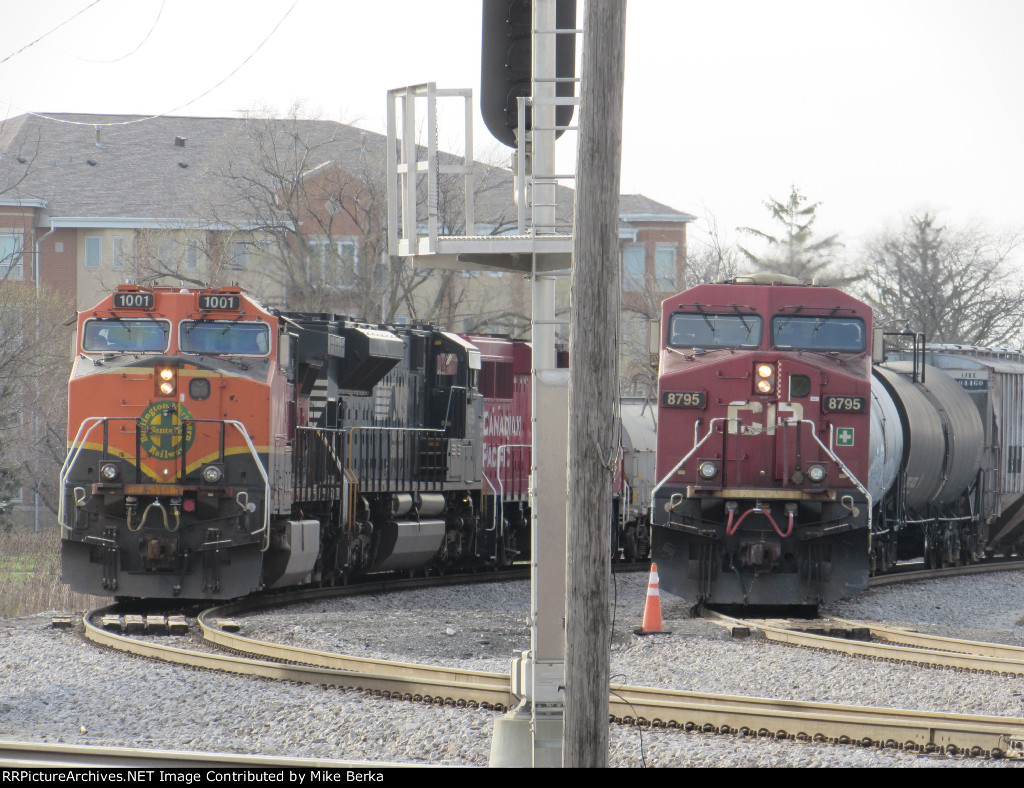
(160, 432)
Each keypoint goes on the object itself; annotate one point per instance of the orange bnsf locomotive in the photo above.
(216, 448)
(796, 457)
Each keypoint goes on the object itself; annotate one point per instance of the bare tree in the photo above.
(794, 251)
(953, 285)
(309, 197)
(34, 367)
(712, 258)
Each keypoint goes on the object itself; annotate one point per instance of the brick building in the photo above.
(87, 201)
(292, 210)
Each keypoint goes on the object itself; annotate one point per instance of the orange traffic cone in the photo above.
(652, 607)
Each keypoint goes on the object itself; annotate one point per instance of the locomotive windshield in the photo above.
(117, 335)
(807, 332)
(707, 330)
(223, 338)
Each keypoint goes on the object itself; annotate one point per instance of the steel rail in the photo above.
(920, 649)
(1001, 651)
(950, 571)
(35, 755)
(781, 719)
(492, 684)
(806, 721)
(989, 736)
(385, 679)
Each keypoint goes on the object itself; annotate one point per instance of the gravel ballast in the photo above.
(56, 687)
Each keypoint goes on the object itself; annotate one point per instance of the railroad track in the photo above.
(907, 576)
(877, 641)
(915, 731)
(36, 755)
(261, 659)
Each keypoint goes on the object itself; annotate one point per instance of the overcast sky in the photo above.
(878, 108)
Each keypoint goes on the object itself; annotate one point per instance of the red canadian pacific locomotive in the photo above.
(796, 456)
(216, 448)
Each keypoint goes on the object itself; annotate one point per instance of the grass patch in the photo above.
(30, 575)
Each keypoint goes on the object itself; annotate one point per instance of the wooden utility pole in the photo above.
(593, 395)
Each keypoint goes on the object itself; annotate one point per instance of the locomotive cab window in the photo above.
(447, 364)
(125, 336)
(496, 379)
(707, 330)
(824, 333)
(224, 338)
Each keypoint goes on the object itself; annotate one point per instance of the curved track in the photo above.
(888, 643)
(924, 732)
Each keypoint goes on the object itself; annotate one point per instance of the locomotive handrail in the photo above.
(671, 473)
(938, 519)
(352, 432)
(835, 458)
(501, 484)
(623, 510)
(69, 462)
(382, 470)
(79, 443)
(494, 515)
(265, 530)
(448, 407)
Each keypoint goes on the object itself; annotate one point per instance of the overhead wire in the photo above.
(127, 54)
(44, 35)
(205, 93)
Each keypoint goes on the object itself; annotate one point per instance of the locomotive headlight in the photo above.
(166, 381)
(109, 471)
(816, 473)
(764, 378)
(212, 474)
(707, 470)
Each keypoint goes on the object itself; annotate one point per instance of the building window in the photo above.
(336, 262)
(118, 253)
(11, 254)
(348, 251)
(93, 249)
(665, 277)
(192, 252)
(634, 267)
(167, 251)
(240, 256)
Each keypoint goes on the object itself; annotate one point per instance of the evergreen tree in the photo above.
(793, 250)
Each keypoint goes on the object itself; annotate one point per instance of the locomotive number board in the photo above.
(225, 302)
(683, 399)
(133, 300)
(835, 404)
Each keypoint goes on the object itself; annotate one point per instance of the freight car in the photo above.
(217, 448)
(797, 456)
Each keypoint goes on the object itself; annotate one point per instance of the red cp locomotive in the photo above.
(763, 444)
